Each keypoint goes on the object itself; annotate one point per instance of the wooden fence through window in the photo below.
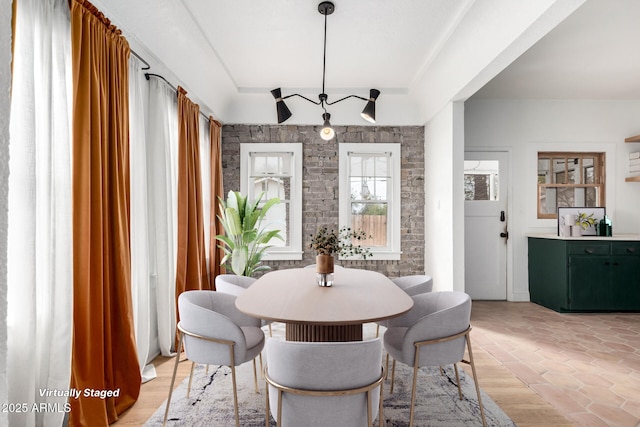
(375, 225)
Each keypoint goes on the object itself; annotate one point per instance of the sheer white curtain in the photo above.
(140, 283)
(162, 170)
(205, 171)
(39, 265)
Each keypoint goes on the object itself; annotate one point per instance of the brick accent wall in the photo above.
(320, 183)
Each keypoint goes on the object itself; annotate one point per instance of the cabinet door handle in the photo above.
(607, 263)
(631, 250)
(589, 251)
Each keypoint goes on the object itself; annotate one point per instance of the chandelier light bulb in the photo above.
(327, 133)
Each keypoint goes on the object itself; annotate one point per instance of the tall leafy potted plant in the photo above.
(246, 239)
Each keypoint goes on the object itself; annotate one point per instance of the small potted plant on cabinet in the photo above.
(327, 243)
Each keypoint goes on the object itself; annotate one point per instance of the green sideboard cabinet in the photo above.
(581, 275)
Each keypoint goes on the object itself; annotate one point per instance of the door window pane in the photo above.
(481, 180)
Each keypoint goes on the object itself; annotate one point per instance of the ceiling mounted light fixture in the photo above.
(327, 133)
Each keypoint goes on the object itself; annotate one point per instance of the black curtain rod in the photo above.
(147, 66)
(147, 75)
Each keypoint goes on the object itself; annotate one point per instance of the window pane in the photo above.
(278, 217)
(368, 188)
(372, 219)
(565, 197)
(588, 171)
(558, 176)
(270, 164)
(481, 180)
(544, 166)
(591, 197)
(548, 200)
(279, 187)
(368, 165)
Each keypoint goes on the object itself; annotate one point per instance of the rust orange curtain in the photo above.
(103, 354)
(217, 190)
(14, 11)
(191, 269)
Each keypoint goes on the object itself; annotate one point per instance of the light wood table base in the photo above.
(323, 333)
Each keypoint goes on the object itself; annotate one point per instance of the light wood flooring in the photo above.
(542, 368)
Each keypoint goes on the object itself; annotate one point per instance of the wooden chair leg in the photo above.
(393, 375)
(386, 367)
(255, 375)
(270, 331)
(173, 380)
(475, 380)
(377, 331)
(369, 411)
(413, 393)
(193, 365)
(261, 367)
(266, 410)
(279, 421)
(235, 395)
(380, 412)
(455, 368)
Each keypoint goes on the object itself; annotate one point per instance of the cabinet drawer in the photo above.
(589, 248)
(625, 248)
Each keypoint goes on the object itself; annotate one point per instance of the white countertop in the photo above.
(620, 237)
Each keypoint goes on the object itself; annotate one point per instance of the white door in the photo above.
(486, 224)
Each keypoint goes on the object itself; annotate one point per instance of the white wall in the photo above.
(529, 126)
(444, 198)
(5, 84)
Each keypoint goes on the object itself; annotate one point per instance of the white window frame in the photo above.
(294, 250)
(393, 249)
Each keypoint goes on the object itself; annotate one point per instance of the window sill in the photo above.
(377, 256)
(283, 256)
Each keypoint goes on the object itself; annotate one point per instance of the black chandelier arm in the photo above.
(303, 97)
(346, 97)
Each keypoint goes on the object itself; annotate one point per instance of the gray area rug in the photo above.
(437, 404)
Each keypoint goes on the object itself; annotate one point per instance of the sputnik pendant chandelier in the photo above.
(326, 8)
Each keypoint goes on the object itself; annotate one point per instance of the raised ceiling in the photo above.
(593, 54)
(421, 54)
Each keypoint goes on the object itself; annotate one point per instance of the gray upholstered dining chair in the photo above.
(214, 332)
(235, 285)
(412, 285)
(324, 383)
(433, 333)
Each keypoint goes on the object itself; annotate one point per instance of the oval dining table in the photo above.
(314, 313)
